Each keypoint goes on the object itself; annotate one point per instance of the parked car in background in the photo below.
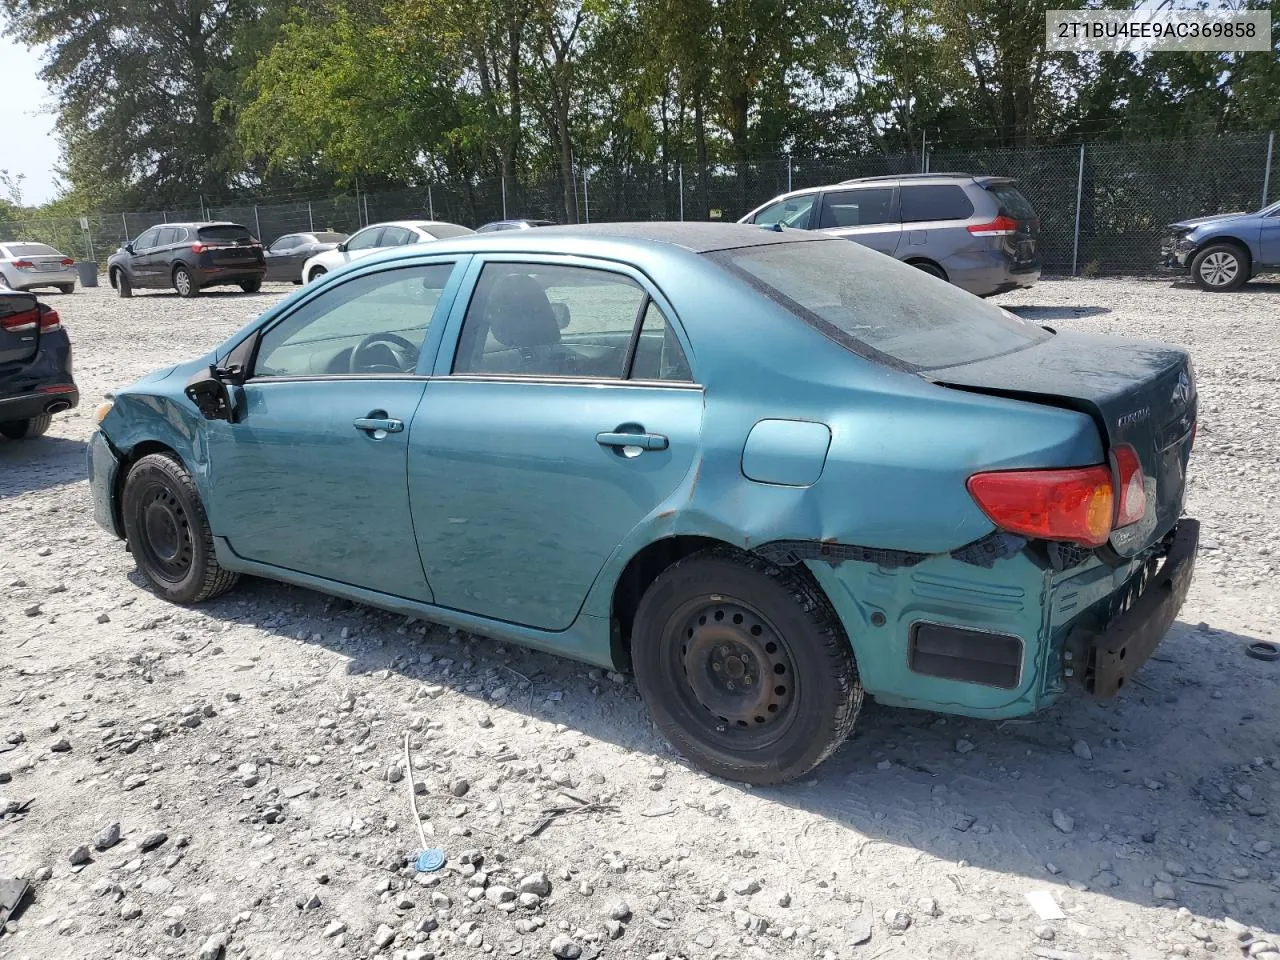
(979, 233)
(768, 470)
(35, 366)
(497, 226)
(287, 254)
(28, 266)
(380, 236)
(1223, 252)
(188, 257)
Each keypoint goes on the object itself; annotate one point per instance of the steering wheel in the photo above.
(398, 355)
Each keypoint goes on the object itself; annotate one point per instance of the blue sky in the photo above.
(27, 141)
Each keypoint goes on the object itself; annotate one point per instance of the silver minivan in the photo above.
(977, 232)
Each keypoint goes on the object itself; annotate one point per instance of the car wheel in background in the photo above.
(66, 288)
(168, 534)
(315, 274)
(26, 429)
(251, 286)
(1220, 266)
(744, 667)
(932, 269)
(122, 284)
(184, 282)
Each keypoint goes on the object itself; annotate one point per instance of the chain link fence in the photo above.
(1103, 207)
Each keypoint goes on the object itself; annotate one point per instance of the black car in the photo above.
(287, 254)
(499, 225)
(188, 257)
(35, 366)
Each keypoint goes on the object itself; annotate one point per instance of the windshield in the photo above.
(878, 306)
(227, 233)
(442, 231)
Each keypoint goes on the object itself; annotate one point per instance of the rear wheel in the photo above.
(932, 269)
(315, 274)
(1219, 267)
(123, 286)
(184, 282)
(67, 288)
(26, 429)
(168, 533)
(745, 667)
(251, 286)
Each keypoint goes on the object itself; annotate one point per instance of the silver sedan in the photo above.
(25, 266)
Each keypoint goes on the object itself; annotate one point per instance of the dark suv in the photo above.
(188, 257)
(35, 366)
(979, 233)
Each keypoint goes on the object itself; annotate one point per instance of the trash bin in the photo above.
(88, 271)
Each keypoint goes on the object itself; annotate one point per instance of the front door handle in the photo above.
(376, 425)
(645, 441)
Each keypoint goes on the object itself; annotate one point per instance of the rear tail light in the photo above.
(20, 322)
(999, 227)
(68, 262)
(23, 264)
(1074, 505)
(199, 247)
(50, 321)
(1132, 485)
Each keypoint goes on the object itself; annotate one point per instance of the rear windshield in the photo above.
(442, 231)
(330, 237)
(1012, 202)
(878, 306)
(226, 233)
(31, 250)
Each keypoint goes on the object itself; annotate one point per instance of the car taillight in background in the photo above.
(68, 262)
(28, 320)
(23, 264)
(199, 247)
(999, 227)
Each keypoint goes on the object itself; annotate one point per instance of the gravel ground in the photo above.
(251, 751)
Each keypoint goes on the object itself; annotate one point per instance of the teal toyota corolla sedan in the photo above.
(765, 470)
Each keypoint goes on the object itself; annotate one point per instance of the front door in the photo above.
(282, 258)
(549, 435)
(141, 268)
(1270, 240)
(312, 477)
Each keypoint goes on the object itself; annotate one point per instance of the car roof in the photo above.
(197, 224)
(406, 223)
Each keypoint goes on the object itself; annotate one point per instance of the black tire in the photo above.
(297, 282)
(184, 282)
(315, 274)
(251, 286)
(67, 288)
(123, 286)
(168, 533)
(1220, 267)
(716, 607)
(26, 429)
(931, 268)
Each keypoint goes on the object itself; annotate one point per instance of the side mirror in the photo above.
(342, 247)
(128, 248)
(207, 390)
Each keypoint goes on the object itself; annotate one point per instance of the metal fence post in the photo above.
(788, 173)
(256, 222)
(1075, 246)
(1266, 177)
(680, 171)
(311, 220)
(125, 223)
(431, 207)
(504, 196)
(586, 197)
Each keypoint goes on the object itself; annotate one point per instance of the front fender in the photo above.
(140, 423)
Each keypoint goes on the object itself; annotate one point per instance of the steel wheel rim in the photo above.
(182, 281)
(733, 671)
(166, 533)
(1219, 269)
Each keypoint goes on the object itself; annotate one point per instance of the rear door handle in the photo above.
(373, 424)
(645, 441)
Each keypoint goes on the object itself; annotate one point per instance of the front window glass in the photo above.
(370, 325)
(366, 239)
(284, 243)
(529, 319)
(792, 212)
(877, 305)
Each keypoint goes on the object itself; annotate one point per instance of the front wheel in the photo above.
(184, 283)
(744, 667)
(1219, 267)
(123, 286)
(251, 286)
(168, 533)
(315, 274)
(26, 429)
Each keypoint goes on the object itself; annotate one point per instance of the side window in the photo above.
(146, 240)
(372, 325)
(857, 208)
(285, 243)
(792, 212)
(168, 236)
(942, 201)
(396, 236)
(659, 355)
(366, 239)
(529, 319)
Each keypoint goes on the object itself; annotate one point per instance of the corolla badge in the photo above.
(1182, 392)
(1131, 419)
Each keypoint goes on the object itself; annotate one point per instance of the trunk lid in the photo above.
(1137, 392)
(19, 327)
(1022, 247)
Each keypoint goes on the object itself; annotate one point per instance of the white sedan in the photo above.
(25, 266)
(380, 236)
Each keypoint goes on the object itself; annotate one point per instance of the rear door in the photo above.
(934, 221)
(19, 327)
(567, 414)
(867, 215)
